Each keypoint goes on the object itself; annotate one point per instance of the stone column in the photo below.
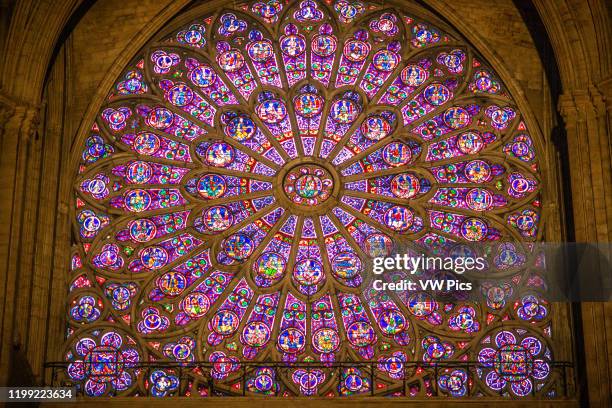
(586, 114)
(18, 125)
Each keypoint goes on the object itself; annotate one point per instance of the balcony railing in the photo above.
(443, 379)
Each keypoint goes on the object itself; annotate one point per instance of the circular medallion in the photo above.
(397, 154)
(160, 118)
(238, 247)
(225, 322)
(356, 50)
(470, 143)
(436, 94)
(346, 265)
(217, 218)
(391, 322)
(256, 334)
(477, 171)
(344, 111)
(270, 265)
(219, 154)
(230, 61)
(308, 105)
(324, 45)
(325, 340)
(154, 257)
(375, 127)
(172, 283)
(399, 218)
(203, 76)
(378, 245)
(360, 334)
(405, 185)
(138, 172)
(179, 95)
(413, 75)
(260, 51)
(195, 304)
(474, 229)
(146, 143)
(211, 186)
(137, 200)
(308, 272)
(271, 111)
(308, 184)
(291, 341)
(240, 128)
(385, 60)
(456, 118)
(479, 199)
(293, 45)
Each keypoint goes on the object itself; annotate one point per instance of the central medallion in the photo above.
(308, 184)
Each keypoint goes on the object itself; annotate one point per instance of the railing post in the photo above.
(467, 380)
(564, 380)
(243, 385)
(436, 379)
(371, 379)
(404, 379)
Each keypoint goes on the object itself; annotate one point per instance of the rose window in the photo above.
(246, 167)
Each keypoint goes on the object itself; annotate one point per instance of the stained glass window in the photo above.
(243, 170)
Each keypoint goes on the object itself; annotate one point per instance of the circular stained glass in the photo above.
(293, 45)
(271, 111)
(217, 218)
(356, 51)
(345, 111)
(230, 61)
(260, 50)
(308, 272)
(230, 200)
(219, 154)
(238, 247)
(211, 186)
(270, 266)
(324, 45)
(139, 172)
(470, 143)
(225, 322)
(142, 230)
(479, 199)
(308, 185)
(478, 171)
(195, 305)
(413, 75)
(360, 334)
(346, 265)
(325, 340)
(291, 341)
(308, 105)
(375, 128)
(240, 128)
(397, 154)
(203, 76)
(399, 218)
(405, 185)
(256, 334)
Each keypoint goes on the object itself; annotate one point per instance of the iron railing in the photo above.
(413, 380)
